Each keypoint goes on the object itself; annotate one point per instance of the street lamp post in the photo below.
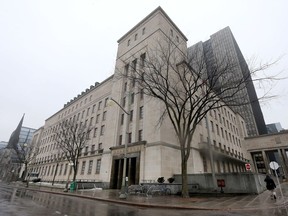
(124, 178)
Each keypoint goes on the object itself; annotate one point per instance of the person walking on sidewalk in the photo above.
(270, 185)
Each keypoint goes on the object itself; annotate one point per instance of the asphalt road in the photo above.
(22, 202)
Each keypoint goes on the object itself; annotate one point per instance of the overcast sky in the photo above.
(51, 50)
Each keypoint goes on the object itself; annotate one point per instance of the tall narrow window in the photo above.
(129, 137)
(132, 98)
(90, 167)
(99, 105)
(104, 116)
(140, 135)
(142, 60)
(143, 31)
(98, 166)
(128, 42)
(131, 115)
(141, 112)
(83, 167)
(102, 130)
(135, 37)
(126, 69)
(122, 119)
(120, 140)
(134, 64)
(95, 132)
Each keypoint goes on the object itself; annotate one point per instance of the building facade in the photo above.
(153, 151)
(220, 47)
(267, 148)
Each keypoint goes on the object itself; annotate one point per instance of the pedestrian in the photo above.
(270, 185)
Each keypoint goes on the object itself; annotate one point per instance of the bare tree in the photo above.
(189, 84)
(71, 137)
(25, 154)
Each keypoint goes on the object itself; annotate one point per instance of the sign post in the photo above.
(274, 165)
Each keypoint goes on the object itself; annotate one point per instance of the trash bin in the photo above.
(73, 186)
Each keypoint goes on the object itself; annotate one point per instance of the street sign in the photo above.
(274, 165)
(248, 166)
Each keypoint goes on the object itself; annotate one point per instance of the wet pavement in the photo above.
(201, 202)
(45, 201)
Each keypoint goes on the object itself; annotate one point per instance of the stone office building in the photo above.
(152, 150)
(267, 148)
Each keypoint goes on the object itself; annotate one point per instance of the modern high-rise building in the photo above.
(153, 150)
(221, 47)
(274, 128)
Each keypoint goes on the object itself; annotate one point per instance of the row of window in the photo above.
(136, 36)
(140, 137)
(63, 169)
(82, 114)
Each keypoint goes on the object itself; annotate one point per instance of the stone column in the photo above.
(266, 162)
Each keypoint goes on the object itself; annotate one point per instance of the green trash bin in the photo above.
(73, 186)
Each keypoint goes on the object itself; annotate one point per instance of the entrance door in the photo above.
(132, 172)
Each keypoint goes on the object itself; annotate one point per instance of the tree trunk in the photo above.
(185, 192)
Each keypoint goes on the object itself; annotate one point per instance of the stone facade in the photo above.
(152, 150)
(266, 148)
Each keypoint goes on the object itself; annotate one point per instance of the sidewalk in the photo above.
(204, 202)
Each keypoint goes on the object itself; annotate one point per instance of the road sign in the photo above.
(274, 165)
(248, 166)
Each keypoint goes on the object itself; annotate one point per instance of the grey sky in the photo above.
(51, 50)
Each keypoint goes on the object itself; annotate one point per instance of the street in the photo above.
(30, 203)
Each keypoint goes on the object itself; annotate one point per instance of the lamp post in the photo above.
(123, 185)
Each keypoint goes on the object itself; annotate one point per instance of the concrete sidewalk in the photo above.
(197, 201)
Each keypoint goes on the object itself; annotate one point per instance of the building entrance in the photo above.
(132, 171)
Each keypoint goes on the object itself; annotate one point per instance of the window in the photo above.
(143, 31)
(91, 121)
(141, 112)
(217, 129)
(141, 94)
(65, 169)
(98, 165)
(90, 167)
(92, 149)
(124, 101)
(171, 32)
(128, 43)
(106, 102)
(142, 60)
(97, 118)
(126, 69)
(104, 116)
(140, 135)
(135, 37)
(99, 105)
(83, 112)
(125, 86)
(212, 126)
(83, 167)
(86, 150)
(95, 132)
(60, 170)
(132, 98)
(100, 148)
(134, 64)
(102, 130)
(122, 119)
(129, 137)
(131, 115)
(88, 110)
(177, 39)
(120, 140)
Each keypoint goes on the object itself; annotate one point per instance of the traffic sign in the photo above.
(274, 165)
(248, 166)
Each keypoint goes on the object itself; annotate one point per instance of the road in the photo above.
(14, 202)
